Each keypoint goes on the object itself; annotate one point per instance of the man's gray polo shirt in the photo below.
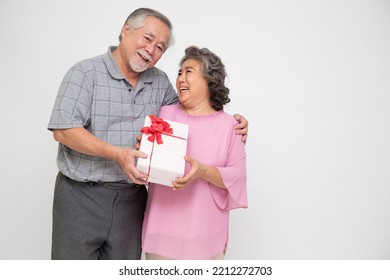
(95, 95)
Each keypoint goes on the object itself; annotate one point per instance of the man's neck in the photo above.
(131, 76)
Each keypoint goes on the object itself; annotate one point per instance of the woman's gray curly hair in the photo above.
(214, 72)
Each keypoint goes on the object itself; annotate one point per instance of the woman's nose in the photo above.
(182, 76)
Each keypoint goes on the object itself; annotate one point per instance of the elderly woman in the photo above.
(191, 220)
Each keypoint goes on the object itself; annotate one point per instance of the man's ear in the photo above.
(125, 29)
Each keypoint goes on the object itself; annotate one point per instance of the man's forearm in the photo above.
(82, 141)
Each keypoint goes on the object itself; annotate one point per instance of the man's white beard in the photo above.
(138, 66)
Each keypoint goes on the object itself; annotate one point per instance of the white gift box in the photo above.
(165, 161)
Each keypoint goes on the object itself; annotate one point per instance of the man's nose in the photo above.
(150, 48)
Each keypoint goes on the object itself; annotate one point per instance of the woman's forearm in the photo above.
(213, 176)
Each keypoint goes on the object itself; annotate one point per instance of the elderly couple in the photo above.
(102, 208)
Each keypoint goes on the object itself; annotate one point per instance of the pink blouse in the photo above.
(193, 223)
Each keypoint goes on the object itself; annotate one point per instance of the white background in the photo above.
(312, 78)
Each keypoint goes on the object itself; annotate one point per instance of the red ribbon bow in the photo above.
(156, 128)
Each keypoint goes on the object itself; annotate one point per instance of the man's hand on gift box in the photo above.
(138, 141)
(125, 158)
(199, 170)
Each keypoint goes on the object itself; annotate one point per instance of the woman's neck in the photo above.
(198, 111)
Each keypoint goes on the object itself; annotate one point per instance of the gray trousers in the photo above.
(97, 220)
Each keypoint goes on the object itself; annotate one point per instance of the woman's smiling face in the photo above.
(191, 85)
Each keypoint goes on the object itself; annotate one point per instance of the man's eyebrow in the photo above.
(150, 34)
(153, 36)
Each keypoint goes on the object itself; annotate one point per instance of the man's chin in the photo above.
(139, 67)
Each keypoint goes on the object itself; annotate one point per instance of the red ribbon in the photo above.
(156, 128)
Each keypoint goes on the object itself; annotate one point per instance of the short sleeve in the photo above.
(170, 96)
(72, 107)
